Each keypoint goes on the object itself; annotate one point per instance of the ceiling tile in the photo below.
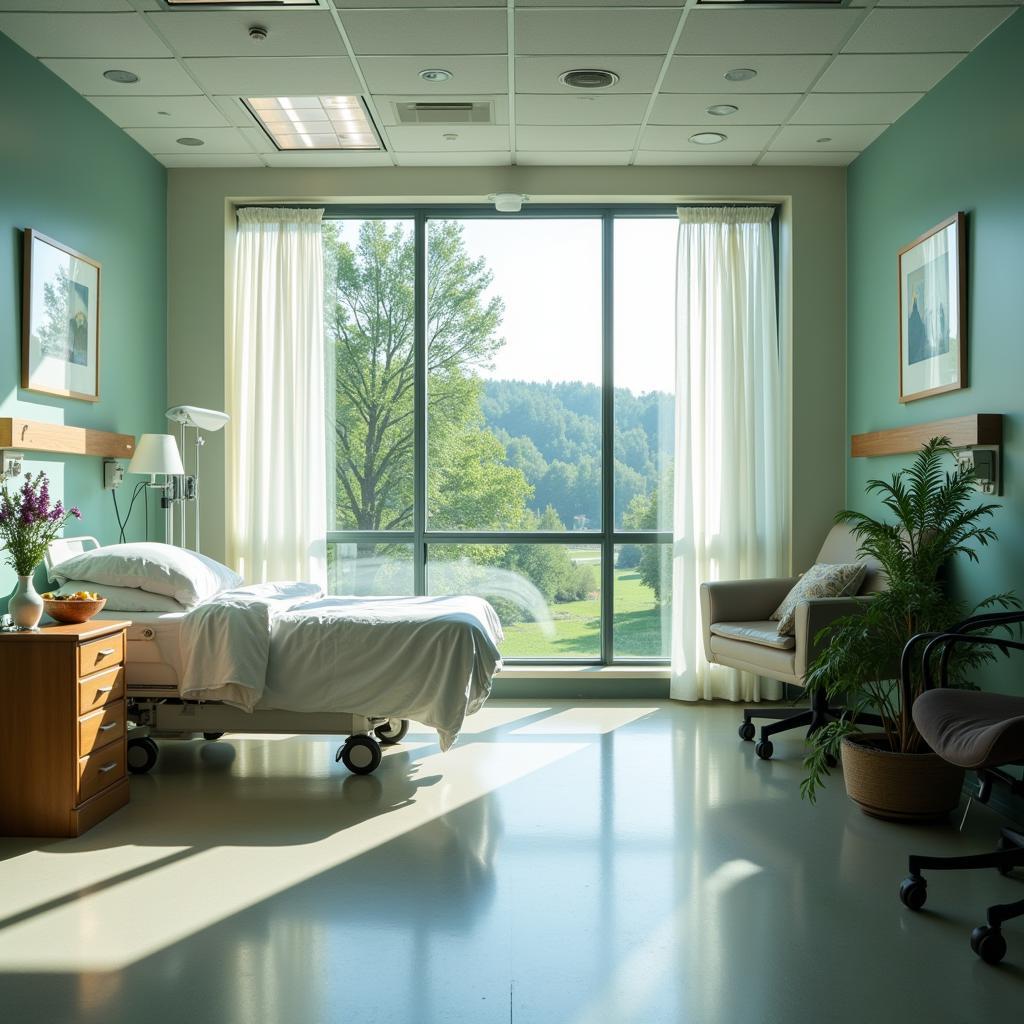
(675, 4)
(385, 105)
(738, 137)
(495, 159)
(275, 76)
(157, 111)
(594, 31)
(540, 74)
(356, 5)
(156, 77)
(535, 108)
(854, 108)
(209, 159)
(805, 138)
(426, 31)
(605, 138)
(80, 6)
(885, 72)
(328, 159)
(654, 157)
(951, 3)
(428, 138)
(771, 108)
(226, 33)
(734, 30)
(165, 140)
(573, 159)
(816, 159)
(401, 74)
(83, 35)
(774, 73)
(925, 31)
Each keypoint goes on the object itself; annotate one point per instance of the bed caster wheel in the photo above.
(913, 892)
(393, 732)
(988, 943)
(359, 754)
(142, 755)
(764, 750)
(747, 730)
(212, 735)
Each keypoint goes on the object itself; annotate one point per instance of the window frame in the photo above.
(607, 537)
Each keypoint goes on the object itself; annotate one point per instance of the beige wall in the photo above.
(812, 289)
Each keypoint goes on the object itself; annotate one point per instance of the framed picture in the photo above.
(933, 312)
(60, 333)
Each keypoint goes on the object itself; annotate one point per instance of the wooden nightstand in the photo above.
(63, 751)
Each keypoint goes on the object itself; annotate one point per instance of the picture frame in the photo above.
(60, 323)
(932, 291)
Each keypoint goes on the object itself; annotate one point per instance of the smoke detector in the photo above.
(588, 78)
(257, 33)
(508, 202)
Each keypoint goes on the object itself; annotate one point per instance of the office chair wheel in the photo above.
(142, 755)
(212, 735)
(747, 730)
(393, 732)
(988, 943)
(764, 750)
(359, 754)
(913, 892)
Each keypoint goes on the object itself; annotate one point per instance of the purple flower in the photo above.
(76, 512)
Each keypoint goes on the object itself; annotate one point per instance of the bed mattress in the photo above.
(154, 665)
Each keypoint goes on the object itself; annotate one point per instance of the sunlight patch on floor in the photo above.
(592, 720)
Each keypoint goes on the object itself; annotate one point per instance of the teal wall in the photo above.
(69, 172)
(960, 148)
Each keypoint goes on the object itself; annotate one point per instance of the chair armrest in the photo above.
(812, 617)
(740, 601)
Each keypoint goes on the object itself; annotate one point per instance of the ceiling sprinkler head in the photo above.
(257, 33)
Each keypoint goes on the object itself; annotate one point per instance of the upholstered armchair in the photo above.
(739, 633)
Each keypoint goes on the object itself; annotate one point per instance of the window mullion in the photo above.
(420, 405)
(607, 437)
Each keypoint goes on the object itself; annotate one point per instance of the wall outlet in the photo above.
(113, 474)
(13, 465)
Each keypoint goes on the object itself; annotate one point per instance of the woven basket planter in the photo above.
(898, 787)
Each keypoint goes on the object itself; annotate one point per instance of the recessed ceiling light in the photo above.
(187, 140)
(588, 78)
(740, 75)
(120, 76)
(722, 109)
(825, 138)
(254, 5)
(314, 122)
(436, 75)
(707, 138)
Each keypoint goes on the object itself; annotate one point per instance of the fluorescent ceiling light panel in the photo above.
(241, 5)
(302, 123)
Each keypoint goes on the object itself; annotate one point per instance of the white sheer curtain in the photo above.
(277, 464)
(731, 477)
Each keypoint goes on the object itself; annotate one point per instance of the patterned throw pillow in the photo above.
(821, 580)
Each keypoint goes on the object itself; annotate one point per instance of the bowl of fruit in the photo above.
(78, 607)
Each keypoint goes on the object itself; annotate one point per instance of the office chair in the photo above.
(979, 731)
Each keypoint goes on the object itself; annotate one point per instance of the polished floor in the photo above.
(618, 862)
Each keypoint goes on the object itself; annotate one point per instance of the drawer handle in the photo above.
(109, 726)
(108, 768)
(104, 689)
(107, 652)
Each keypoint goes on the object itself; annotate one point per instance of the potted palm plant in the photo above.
(932, 521)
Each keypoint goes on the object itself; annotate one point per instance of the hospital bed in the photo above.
(155, 667)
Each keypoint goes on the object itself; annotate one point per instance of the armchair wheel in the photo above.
(988, 943)
(747, 730)
(764, 750)
(913, 892)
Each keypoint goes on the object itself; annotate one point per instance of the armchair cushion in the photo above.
(821, 580)
(764, 633)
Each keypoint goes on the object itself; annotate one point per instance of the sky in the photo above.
(548, 272)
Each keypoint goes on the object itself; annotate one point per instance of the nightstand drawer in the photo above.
(101, 727)
(102, 688)
(100, 654)
(100, 769)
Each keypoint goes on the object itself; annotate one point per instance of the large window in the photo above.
(503, 418)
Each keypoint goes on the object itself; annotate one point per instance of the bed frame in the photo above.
(155, 710)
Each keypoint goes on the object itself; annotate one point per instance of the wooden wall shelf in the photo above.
(963, 432)
(32, 436)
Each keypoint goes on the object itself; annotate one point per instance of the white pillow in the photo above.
(186, 576)
(823, 579)
(124, 599)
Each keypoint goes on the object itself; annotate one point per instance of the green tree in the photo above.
(654, 564)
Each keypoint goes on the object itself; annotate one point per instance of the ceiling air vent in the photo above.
(588, 78)
(446, 112)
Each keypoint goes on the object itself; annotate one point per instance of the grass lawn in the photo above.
(638, 628)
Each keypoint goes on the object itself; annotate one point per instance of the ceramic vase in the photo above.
(25, 606)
